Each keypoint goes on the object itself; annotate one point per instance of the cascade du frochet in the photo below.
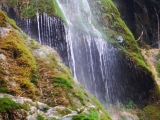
(80, 59)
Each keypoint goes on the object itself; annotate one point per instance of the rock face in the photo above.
(49, 30)
(141, 15)
(30, 70)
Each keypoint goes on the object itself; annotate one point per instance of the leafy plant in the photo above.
(128, 105)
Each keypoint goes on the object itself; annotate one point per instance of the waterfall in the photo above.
(102, 68)
(90, 57)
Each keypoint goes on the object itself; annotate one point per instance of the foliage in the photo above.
(34, 78)
(1, 70)
(4, 20)
(8, 105)
(62, 81)
(30, 8)
(40, 117)
(24, 66)
(157, 66)
(128, 105)
(93, 115)
(63, 112)
(3, 90)
(149, 113)
(1, 80)
(109, 18)
(34, 45)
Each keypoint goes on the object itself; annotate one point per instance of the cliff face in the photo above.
(36, 72)
(29, 70)
(141, 15)
(45, 25)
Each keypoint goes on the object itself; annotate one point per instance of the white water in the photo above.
(90, 58)
(99, 66)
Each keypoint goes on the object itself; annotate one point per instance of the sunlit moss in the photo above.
(113, 26)
(24, 65)
(28, 9)
(4, 20)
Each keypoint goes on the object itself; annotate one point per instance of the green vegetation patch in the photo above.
(63, 112)
(93, 115)
(8, 105)
(4, 20)
(62, 81)
(40, 117)
(24, 66)
(109, 18)
(149, 113)
(157, 66)
(29, 9)
(3, 90)
(1, 71)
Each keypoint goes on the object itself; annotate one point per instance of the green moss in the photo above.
(40, 117)
(8, 105)
(93, 115)
(34, 45)
(12, 2)
(4, 90)
(100, 107)
(79, 94)
(1, 80)
(109, 18)
(63, 112)
(25, 66)
(35, 78)
(4, 20)
(1, 71)
(62, 81)
(30, 8)
(149, 113)
(157, 66)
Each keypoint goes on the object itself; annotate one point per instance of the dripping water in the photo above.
(87, 56)
(99, 66)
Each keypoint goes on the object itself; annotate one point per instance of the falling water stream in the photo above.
(99, 66)
(91, 58)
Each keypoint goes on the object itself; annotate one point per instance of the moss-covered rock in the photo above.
(8, 105)
(112, 26)
(33, 71)
(149, 113)
(29, 8)
(19, 63)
